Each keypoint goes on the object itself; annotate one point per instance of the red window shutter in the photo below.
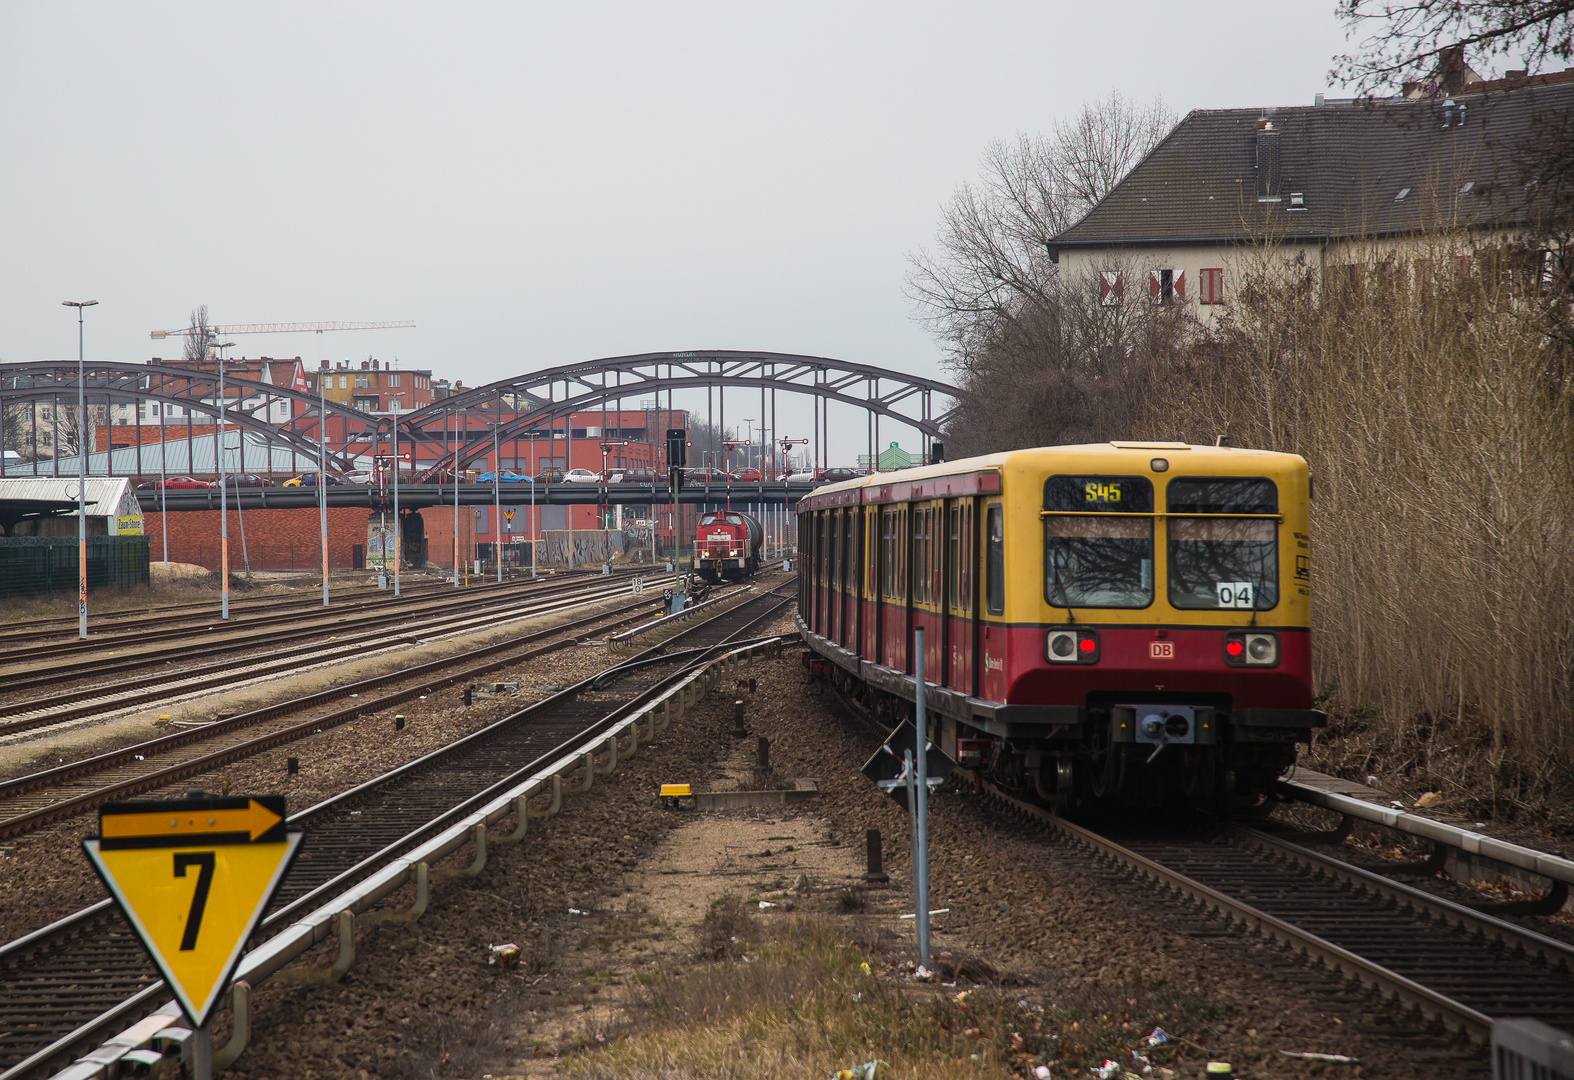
(1180, 286)
(1462, 267)
(1154, 287)
(1111, 289)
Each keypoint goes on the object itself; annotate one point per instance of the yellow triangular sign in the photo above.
(194, 877)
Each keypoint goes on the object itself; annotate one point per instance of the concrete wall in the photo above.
(589, 547)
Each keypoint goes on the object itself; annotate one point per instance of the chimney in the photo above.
(1267, 137)
(365, 364)
(374, 365)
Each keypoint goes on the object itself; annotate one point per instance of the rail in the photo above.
(676, 616)
(1554, 867)
(336, 917)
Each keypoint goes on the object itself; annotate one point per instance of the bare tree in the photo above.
(1409, 40)
(990, 284)
(196, 344)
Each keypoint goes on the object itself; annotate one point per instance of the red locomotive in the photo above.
(727, 544)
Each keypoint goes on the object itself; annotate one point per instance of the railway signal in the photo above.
(193, 877)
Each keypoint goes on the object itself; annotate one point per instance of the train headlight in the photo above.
(1072, 647)
(1251, 649)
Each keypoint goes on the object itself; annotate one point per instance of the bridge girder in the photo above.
(46, 380)
(585, 386)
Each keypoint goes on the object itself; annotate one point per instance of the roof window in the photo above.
(1297, 200)
(1402, 193)
(1468, 186)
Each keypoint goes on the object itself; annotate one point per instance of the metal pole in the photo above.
(322, 469)
(202, 1053)
(535, 522)
(224, 506)
(921, 808)
(82, 426)
(456, 496)
(398, 527)
(497, 494)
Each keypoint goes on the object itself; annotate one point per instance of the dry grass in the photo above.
(1437, 420)
(789, 998)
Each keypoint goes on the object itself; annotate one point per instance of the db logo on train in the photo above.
(1161, 650)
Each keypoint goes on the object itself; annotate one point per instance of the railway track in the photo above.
(24, 669)
(21, 715)
(1455, 966)
(70, 984)
(193, 611)
(31, 801)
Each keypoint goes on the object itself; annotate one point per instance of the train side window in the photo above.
(965, 562)
(953, 554)
(920, 553)
(835, 549)
(850, 551)
(901, 553)
(871, 537)
(995, 563)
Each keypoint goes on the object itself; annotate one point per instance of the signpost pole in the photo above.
(202, 1053)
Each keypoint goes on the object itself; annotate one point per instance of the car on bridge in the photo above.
(176, 483)
(581, 476)
(507, 476)
(247, 480)
(802, 476)
(836, 476)
(749, 475)
(310, 480)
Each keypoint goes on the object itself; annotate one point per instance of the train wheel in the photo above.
(1065, 785)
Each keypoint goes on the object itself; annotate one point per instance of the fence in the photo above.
(34, 564)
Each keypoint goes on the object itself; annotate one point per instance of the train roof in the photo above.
(969, 475)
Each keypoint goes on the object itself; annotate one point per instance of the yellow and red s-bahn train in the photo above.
(1120, 620)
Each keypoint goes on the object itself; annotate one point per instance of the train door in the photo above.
(850, 550)
(934, 595)
(944, 601)
(990, 678)
(822, 577)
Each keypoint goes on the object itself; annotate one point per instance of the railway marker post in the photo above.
(193, 877)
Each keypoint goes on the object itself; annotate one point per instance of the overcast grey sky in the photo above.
(540, 184)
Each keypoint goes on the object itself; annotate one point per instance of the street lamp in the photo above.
(224, 511)
(81, 471)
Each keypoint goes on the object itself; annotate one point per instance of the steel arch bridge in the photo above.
(532, 401)
(539, 398)
(191, 389)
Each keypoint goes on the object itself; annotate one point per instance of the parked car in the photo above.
(581, 476)
(247, 479)
(175, 483)
(507, 476)
(642, 476)
(704, 476)
(802, 476)
(310, 480)
(365, 476)
(749, 475)
(836, 476)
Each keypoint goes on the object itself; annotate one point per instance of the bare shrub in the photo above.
(1436, 417)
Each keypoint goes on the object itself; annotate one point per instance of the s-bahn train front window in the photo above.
(1223, 561)
(1098, 541)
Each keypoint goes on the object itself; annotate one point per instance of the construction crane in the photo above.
(281, 328)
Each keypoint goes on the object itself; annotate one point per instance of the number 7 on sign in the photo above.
(199, 897)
